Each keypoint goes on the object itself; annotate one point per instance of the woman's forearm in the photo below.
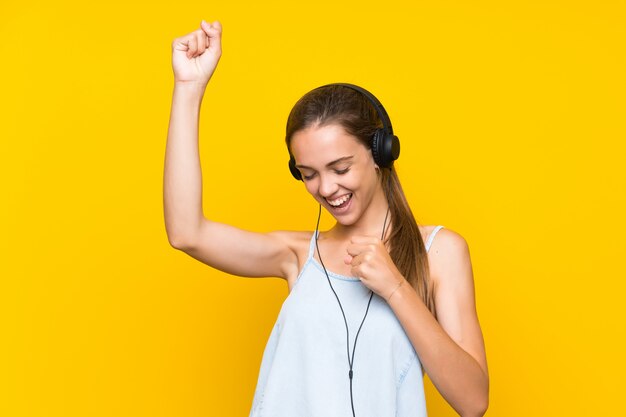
(182, 178)
(456, 374)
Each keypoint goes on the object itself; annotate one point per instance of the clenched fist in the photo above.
(195, 55)
(373, 265)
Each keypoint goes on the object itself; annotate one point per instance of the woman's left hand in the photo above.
(372, 264)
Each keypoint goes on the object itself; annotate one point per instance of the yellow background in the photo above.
(512, 122)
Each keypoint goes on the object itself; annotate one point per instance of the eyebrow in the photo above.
(330, 164)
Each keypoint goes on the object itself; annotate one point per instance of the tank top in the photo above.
(304, 369)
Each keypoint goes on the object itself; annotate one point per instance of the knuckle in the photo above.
(177, 41)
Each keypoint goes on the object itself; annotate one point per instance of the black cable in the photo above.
(350, 359)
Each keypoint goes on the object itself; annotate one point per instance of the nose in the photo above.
(327, 186)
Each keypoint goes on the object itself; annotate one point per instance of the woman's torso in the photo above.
(304, 370)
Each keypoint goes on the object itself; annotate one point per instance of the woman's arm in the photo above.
(232, 250)
(451, 350)
(182, 176)
(194, 60)
(451, 347)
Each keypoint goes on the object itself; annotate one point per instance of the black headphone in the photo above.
(384, 144)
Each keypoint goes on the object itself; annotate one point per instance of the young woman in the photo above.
(371, 306)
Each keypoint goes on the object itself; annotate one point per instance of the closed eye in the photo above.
(337, 171)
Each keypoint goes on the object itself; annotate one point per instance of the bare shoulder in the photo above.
(446, 239)
(448, 255)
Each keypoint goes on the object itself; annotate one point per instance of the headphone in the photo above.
(384, 144)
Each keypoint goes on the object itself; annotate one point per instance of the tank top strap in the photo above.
(312, 246)
(432, 236)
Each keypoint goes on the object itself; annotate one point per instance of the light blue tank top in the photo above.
(304, 370)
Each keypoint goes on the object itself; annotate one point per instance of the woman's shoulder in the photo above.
(448, 252)
(442, 233)
(445, 238)
(427, 231)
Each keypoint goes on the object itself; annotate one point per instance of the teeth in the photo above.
(339, 201)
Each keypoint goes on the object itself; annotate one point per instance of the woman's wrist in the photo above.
(396, 288)
(188, 92)
(194, 87)
(400, 294)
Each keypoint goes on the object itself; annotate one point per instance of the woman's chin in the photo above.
(346, 220)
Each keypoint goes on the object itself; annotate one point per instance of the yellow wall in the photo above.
(512, 122)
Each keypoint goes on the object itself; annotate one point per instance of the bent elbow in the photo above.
(483, 409)
(179, 243)
(480, 408)
(477, 408)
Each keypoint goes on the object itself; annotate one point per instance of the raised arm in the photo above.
(194, 59)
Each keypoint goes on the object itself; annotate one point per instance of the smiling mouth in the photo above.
(341, 201)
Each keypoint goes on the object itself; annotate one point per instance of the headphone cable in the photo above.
(350, 358)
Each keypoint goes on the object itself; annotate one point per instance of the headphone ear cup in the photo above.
(393, 144)
(385, 148)
(294, 171)
(377, 149)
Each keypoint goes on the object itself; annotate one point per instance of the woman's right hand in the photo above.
(195, 55)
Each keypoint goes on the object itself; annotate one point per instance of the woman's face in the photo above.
(337, 169)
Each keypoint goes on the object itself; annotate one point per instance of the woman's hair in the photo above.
(335, 104)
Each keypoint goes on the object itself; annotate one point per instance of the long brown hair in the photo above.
(335, 104)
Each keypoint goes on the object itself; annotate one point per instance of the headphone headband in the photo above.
(382, 113)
